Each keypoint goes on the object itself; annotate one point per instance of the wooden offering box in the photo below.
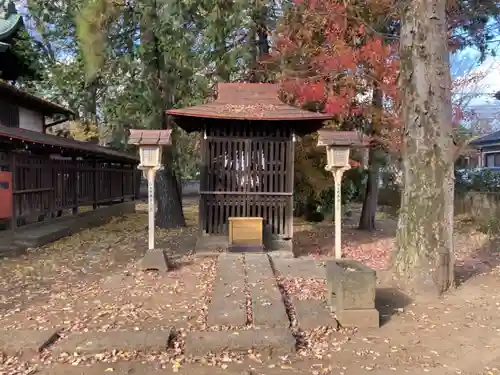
(245, 234)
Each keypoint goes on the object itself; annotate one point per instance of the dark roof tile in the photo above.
(66, 143)
(489, 138)
(17, 96)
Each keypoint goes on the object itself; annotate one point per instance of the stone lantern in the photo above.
(151, 143)
(338, 145)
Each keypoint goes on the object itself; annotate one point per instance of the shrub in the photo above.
(490, 227)
(477, 180)
(352, 188)
(315, 217)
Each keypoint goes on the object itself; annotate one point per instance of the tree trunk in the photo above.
(258, 39)
(424, 251)
(369, 210)
(169, 201)
(168, 198)
(262, 35)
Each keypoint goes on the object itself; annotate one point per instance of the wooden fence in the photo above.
(44, 187)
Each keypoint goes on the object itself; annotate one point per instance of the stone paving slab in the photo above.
(274, 341)
(267, 302)
(304, 268)
(134, 368)
(258, 267)
(228, 304)
(26, 343)
(287, 254)
(312, 314)
(99, 342)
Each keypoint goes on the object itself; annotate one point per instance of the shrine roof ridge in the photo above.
(248, 101)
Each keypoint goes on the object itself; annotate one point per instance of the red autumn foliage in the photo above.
(332, 61)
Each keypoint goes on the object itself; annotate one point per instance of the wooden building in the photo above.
(19, 109)
(43, 176)
(247, 156)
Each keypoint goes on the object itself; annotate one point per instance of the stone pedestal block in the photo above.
(359, 318)
(351, 285)
(351, 292)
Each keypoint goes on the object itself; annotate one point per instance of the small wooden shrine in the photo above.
(247, 156)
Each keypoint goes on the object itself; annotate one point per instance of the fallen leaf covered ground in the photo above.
(90, 281)
(475, 252)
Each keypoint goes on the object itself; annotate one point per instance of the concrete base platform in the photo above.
(273, 244)
(245, 249)
(39, 234)
(99, 342)
(214, 244)
(8, 248)
(271, 341)
(217, 244)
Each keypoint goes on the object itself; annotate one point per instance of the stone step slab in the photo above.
(228, 304)
(100, 342)
(135, 368)
(312, 314)
(271, 341)
(26, 343)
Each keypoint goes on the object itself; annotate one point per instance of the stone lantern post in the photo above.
(151, 143)
(338, 145)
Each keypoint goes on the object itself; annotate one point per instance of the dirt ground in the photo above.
(90, 281)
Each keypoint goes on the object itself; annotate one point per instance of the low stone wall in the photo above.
(478, 204)
(473, 203)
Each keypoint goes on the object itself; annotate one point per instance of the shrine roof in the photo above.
(150, 137)
(10, 21)
(329, 137)
(248, 101)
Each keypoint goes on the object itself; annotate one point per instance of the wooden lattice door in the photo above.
(247, 176)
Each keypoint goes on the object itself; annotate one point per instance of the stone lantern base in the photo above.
(155, 260)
